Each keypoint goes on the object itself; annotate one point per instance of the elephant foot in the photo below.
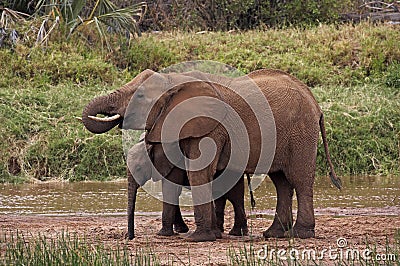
(201, 236)
(299, 232)
(220, 228)
(165, 232)
(181, 228)
(274, 233)
(239, 231)
(217, 233)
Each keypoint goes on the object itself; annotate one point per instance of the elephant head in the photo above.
(196, 103)
(112, 106)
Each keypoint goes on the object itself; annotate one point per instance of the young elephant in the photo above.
(143, 160)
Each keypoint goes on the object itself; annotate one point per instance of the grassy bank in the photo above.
(354, 72)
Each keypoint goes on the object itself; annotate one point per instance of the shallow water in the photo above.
(360, 196)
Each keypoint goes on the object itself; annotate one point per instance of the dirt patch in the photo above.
(111, 230)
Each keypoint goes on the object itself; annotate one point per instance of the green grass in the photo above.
(363, 128)
(366, 253)
(42, 129)
(326, 55)
(353, 71)
(68, 249)
(41, 101)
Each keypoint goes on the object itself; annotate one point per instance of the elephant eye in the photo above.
(140, 95)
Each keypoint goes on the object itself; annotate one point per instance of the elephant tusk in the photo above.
(105, 119)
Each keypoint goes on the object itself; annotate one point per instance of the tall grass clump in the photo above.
(367, 253)
(68, 249)
(392, 76)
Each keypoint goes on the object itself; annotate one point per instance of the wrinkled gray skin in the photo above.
(298, 120)
(143, 160)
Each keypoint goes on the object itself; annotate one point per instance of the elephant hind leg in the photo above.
(236, 197)
(220, 204)
(283, 219)
(305, 221)
(303, 184)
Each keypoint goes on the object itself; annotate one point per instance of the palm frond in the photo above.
(72, 10)
(86, 16)
(121, 21)
(99, 27)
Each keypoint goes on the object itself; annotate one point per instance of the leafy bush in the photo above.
(232, 14)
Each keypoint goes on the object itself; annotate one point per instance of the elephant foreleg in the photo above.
(202, 193)
(283, 219)
(214, 226)
(204, 213)
(179, 224)
(172, 219)
(171, 213)
(168, 218)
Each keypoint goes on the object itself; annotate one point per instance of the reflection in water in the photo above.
(361, 196)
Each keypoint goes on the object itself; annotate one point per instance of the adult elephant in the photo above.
(150, 99)
(149, 161)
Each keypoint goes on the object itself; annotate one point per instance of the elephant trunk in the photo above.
(100, 105)
(113, 106)
(133, 186)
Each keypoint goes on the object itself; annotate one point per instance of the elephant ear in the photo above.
(194, 108)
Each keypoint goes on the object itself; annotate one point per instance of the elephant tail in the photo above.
(335, 180)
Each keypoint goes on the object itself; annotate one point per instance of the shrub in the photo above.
(247, 14)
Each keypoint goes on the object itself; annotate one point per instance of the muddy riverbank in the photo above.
(356, 230)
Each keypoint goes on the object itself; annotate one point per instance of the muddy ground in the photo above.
(175, 250)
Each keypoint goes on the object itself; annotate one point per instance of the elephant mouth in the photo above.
(107, 118)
